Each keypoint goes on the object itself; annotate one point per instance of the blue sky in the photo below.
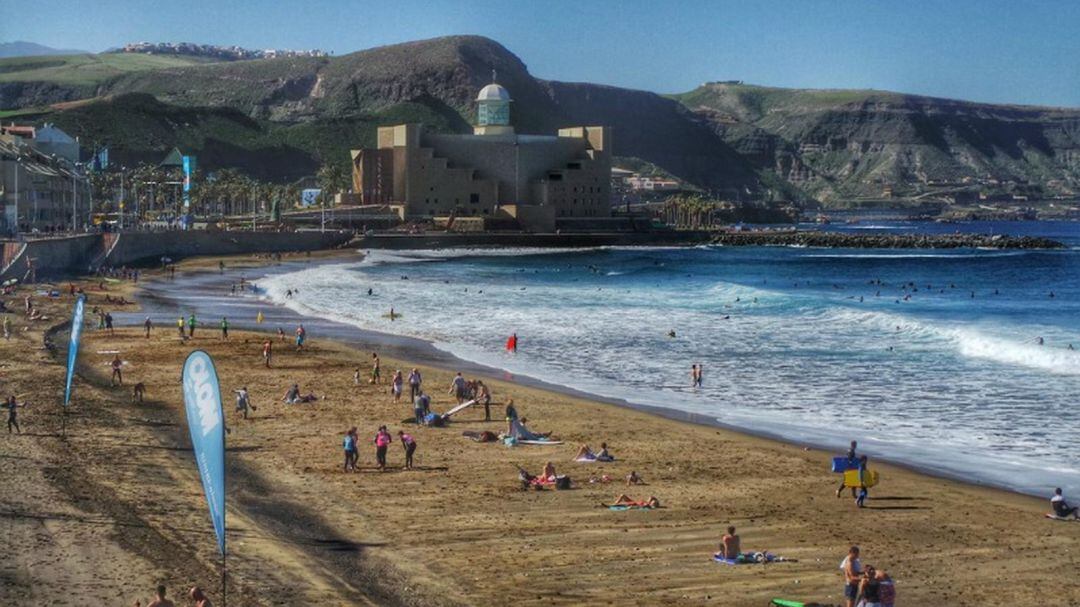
(985, 50)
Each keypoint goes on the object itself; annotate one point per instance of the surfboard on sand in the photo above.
(539, 442)
(460, 407)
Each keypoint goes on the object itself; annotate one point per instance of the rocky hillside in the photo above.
(282, 116)
(839, 145)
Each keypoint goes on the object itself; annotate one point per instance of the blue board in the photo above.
(841, 463)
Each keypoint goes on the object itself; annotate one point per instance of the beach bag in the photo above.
(562, 482)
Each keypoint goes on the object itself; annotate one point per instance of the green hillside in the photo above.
(139, 128)
(85, 70)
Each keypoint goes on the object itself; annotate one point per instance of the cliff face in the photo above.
(848, 144)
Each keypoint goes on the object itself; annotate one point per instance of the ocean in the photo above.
(953, 361)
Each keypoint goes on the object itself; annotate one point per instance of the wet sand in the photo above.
(102, 515)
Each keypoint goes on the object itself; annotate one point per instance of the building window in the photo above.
(474, 198)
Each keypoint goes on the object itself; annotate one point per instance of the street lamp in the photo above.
(18, 163)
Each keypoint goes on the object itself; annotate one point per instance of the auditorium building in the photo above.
(541, 181)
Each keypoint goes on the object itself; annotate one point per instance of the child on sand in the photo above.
(396, 385)
(351, 454)
(117, 377)
(409, 444)
(382, 441)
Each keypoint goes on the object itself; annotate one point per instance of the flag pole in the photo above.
(224, 527)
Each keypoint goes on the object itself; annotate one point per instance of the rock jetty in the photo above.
(841, 240)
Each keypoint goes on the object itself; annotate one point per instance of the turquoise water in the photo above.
(926, 357)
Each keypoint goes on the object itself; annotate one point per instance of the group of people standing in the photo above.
(382, 441)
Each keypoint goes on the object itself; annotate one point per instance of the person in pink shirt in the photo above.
(409, 444)
(382, 441)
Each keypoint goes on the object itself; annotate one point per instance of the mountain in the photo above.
(20, 48)
(283, 116)
(844, 144)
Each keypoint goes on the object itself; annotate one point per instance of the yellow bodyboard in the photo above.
(851, 478)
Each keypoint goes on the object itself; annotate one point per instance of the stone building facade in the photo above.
(494, 172)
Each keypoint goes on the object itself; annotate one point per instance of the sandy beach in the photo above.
(104, 513)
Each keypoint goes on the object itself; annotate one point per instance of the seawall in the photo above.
(840, 240)
(76, 254)
(518, 239)
(144, 247)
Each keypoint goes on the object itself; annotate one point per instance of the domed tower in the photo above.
(493, 110)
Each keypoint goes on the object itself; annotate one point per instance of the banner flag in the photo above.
(206, 421)
(73, 347)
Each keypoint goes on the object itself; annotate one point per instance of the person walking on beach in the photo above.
(382, 441)
(852, 568)
(414, 384)
(147, 325)
(7, 326)
(864, 491)
(243, 401)
(108, 324)
(351, 454)
(376, 374)
(191, 326)
(281, 334)
(396, 385)
(409, 444)
(13, 420)
(180, 328)
(224, 328)
(268, 351)
(852, 461)
(301, 336)
(117, 378)
(459, 388)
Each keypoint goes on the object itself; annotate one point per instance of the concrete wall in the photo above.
(134, 247)
(75, 254)
(517, 239)
(54, 256)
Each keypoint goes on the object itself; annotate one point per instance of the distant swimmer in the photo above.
(727, 317)
(973, 294)
(671, 334)
(288, 293)
(1071, 347)
(1039, 340)
(1051, 294)
(370, 292)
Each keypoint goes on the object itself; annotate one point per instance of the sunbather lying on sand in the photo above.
(625, 500)
(585, 454)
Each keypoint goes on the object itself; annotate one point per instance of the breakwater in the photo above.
(841, 240)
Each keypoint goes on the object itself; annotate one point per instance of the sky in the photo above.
(1017, 51)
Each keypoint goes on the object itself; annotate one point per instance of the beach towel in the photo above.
(621, 507)
(520, 432)
(752, 558)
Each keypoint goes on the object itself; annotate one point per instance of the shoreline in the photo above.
(303, 532)
(424, 351)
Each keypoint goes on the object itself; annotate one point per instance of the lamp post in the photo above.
(18, 164)
(122, 169)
